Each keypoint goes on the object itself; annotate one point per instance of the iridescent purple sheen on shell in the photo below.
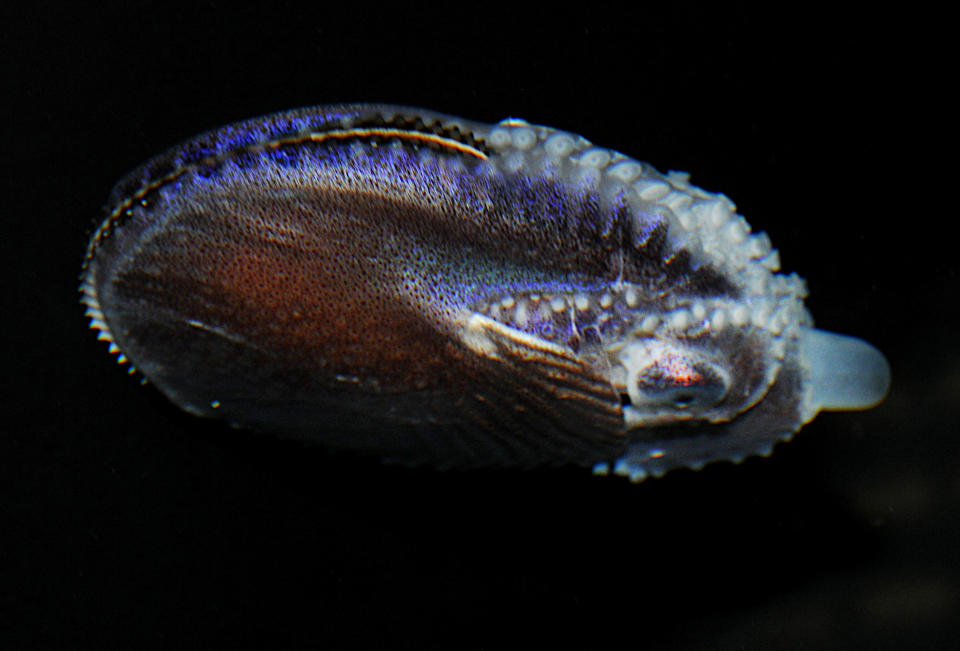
(437, 291)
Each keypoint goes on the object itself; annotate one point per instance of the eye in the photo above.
(679, 381)
(681, 385)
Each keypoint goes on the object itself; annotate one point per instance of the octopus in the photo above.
(440, 292)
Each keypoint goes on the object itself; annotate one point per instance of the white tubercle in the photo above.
(626, 171)
(523, 138)
(499, 138)
(651, 189)
(559, 144)
(595, 157)
(702, 223)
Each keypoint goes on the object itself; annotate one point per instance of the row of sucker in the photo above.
(702, 224)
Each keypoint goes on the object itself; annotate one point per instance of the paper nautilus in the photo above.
(438, 291)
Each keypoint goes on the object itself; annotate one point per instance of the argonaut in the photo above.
(437, 291)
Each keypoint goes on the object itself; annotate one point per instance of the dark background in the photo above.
(127, 524)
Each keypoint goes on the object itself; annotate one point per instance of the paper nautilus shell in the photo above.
(437, 291)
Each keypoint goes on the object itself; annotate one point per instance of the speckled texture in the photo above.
(433, 290)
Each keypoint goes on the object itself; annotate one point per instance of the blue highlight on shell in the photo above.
(436, 291)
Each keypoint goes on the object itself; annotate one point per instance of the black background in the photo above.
(127, 524)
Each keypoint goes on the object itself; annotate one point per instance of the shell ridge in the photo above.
(435, 290)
